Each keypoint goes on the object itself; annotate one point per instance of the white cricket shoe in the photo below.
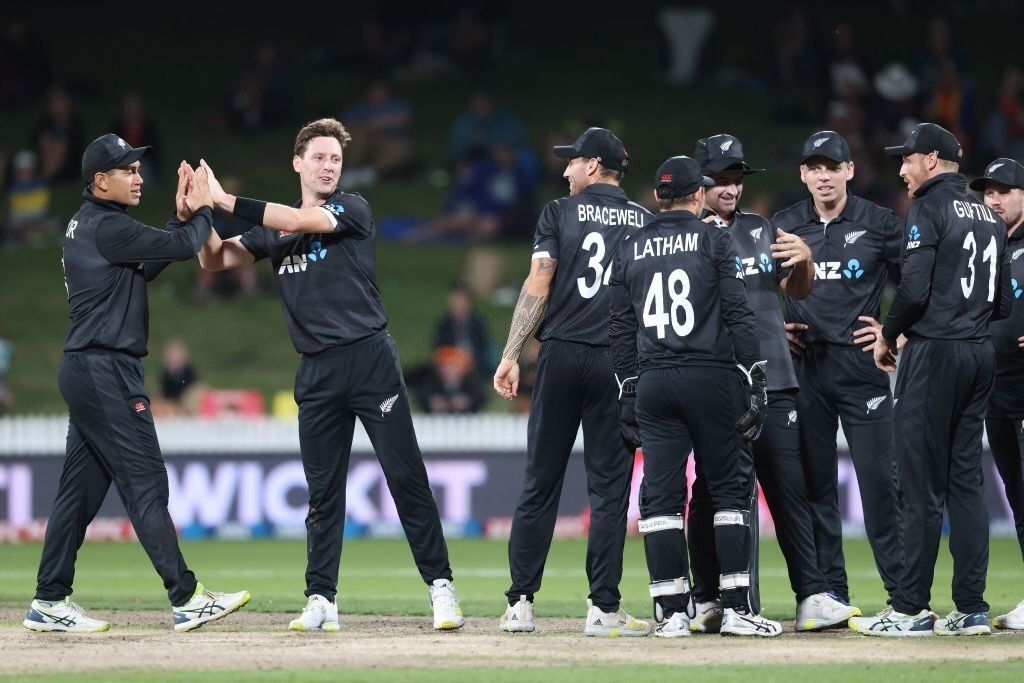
(676, 626)
(959, 624)
(892, 624)
(444, 601)
(1013, 619)
(61, 615)
(821, 611)
(737, 624)
(613, 624)
(518, 618)
(707, 618)
(207, 606)
(319, 614)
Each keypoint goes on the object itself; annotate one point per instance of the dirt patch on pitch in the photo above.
(143, 641)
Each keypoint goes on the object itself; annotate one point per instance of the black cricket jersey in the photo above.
(752, 236)
(952, 257)
(1008, 391)
(853, 254)
(677, 298)
(327, 281)
(108, 259)
(582, 232)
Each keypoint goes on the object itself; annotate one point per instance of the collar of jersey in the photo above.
(105, 203)
(954, 179)
(605, 188)
(675, 214)
(845, 215)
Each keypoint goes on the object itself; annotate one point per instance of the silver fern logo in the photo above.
(791, 418)
(725, 146)
(852, 237)
(756, 233)
(387, 405)
(994, 167)
(819, 142)
(1016, 254)
(874, 403)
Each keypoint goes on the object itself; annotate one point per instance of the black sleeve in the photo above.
(893, 240)
(1004, 297)
(257, 241)
(121, 239)
(545, 235)
(350, 215)
(622, 324)
(154, 268)
(915, 286)
(737, 315)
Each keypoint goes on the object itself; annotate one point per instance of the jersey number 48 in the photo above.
(655, 314)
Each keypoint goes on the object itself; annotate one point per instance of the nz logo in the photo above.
(1017, 291)
(873, 403)
(766, 264)
(853, 270)
(336, 209)
(725, 146)
(317, 252)
(387, 405)
(739, 268)
(756, 233)
(852, 237)
(791, 418)
(913, 238)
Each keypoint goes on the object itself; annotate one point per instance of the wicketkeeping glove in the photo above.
(627, 413)
(755, 381)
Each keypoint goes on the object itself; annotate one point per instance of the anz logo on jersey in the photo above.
(297, 263)
(755, 265)
(837, 270)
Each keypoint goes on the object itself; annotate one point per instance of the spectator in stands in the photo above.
(389, 37)
(940, 57)
(492, 197)
(24, 66)
(462, 326)
(263, 95)
(472, 44)
(1006, 123)
(178, 384)
(382, 143)
(482, 125)
(136, 128)
(847, 68)
(6, 358)
(59, 138)
(452, 387)
(28, 217)
(241, 279)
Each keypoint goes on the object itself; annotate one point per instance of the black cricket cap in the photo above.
(597, 143)
(107, 152)
(1002, 171)
(828, 144)
(927, 138)
(683, 175)
(721, 152)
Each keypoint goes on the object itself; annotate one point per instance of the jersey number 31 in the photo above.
(655, 314)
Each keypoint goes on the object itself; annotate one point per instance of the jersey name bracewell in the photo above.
(610, 215)
(665, 246)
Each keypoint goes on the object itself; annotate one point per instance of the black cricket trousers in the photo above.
(1006, 439)
(777, 464)
(942, 391)
(842, 383)
(575, 383)
(111, 438)
(332, 388)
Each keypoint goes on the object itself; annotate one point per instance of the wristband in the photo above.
(250, 210)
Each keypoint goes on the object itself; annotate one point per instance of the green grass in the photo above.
(938, 671)
(379, 577)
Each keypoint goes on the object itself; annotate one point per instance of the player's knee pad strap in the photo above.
(680, 586)
(662, 523)
(734, 580)
(732, 518)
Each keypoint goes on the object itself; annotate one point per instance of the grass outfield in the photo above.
(379, 577)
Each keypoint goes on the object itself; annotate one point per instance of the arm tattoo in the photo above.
(529, 312)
